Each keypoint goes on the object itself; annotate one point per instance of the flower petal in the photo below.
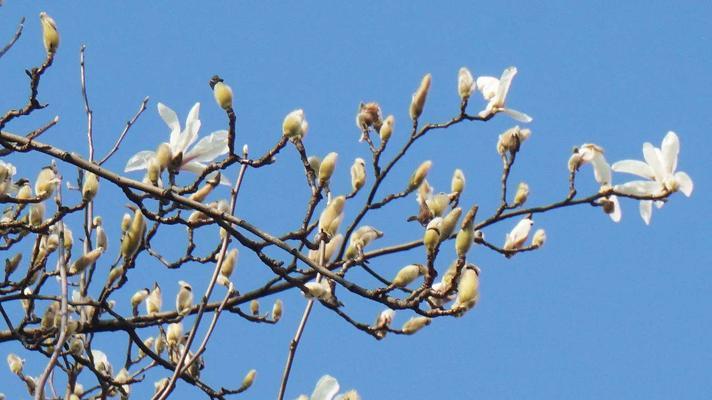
(634, 167)
(487, 85)
(139, 161)
(601, 169)
(638, 188)
(326, 388)
(685, 183)
(208, 148)
(194, 167)
(670, 149)
(517, 115)
(646, 210)
(504, 83)
(616, 214)
(653, 158)
(171, 119)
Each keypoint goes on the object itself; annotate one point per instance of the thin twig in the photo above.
(18, 32)
(128, 126)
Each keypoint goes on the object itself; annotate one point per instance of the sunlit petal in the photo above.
(685, 183)
(652, 157)
(634, 167)
(504, 83)
(646, 210)
(616, 214)
(325, 389)
(194, 167)
(601, 169)
(487, 85)
(517, 115)
(670, 149)
(171, 119)
(139, 161)
(208, 148)
(639, 188)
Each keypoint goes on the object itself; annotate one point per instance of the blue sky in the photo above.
(603, 310)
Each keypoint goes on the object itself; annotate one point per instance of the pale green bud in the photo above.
(417, 102)
(419, 175)
(415, 324)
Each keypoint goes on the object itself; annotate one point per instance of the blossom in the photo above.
(495, 91)
(593, 154)
(327, 388)
(183, 158)
(659, 167)
(519, 234)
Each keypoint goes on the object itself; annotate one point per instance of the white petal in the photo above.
(670, 149)
(685, 183)
(517, 115)
(487, 85)
(634, 167)
(325, 389)
(223, 179)
(652, 157)
(638, 188)
(194, 167)
(616, 214)
(601, 169)
(504, 83)
(646, 210)
(171, 119)
(193, 114)
(208, 148)
(139, 161)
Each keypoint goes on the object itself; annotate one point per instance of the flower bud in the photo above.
(153, 172)
(184, 298)
(369, 116)
(125, 222)
(228, 264)
(358, 174)
(331, 247)
(431, 238)
(417, 102)
(134, 235)
(221, 92)
(204, 191)
(148, 342)
(174, 334)
(277, 310)
(90, 186)
(15, 363)
(318, 290)
(84, 261)
(314, 163)
(468, 288)
(457, 185)
(295, 125)
(331, 217)
(387, 128)
(415, 324)
(326, 168)
(255, 307)
(408, 274)
(511, 140)
(447, 227)
(36, 214)
(419, 175)
(522, 194)
(154, 301)
(518, 235)
(114, 274)
(539, 238)
(159, 385)
(12, 263)
(46, 183)
(465, 83)
(138, 298)
(160, 346)
(248, 380)
(50, 36)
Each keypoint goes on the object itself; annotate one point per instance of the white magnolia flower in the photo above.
(7, 171)
(193, 159)
(659, 167)
(495, 91)
(327, 388)
(519, 234)
(593, 154)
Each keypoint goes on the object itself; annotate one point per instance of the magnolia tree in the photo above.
(65, 276)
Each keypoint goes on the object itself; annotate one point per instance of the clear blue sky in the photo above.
(603, 310)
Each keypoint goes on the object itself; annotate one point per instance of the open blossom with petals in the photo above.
(185, 157)
(659, 167)
(495, 91)
(593, 154)
(519, 234)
